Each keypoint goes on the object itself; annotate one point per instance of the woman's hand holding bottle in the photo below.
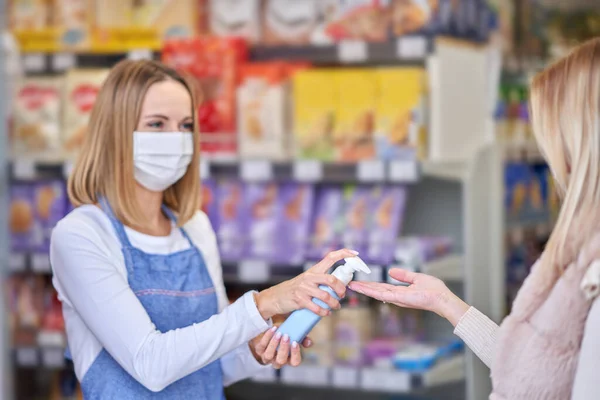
(273, 348)
(424, 292)
(297, 293)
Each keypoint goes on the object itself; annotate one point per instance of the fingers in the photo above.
(264, 341)
(307, 342)
(325, 297)
(314, 307)
(331, 258)
(271, 349)
(378, 291)
(331, 281)
(403, 275)
(295, 357)
(283, 354)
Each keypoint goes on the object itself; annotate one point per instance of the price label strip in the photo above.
(387, 380)
(53, 357)
(345, 377)
(371, 171)
(254, 271)
(27, 357)
(352, 51)
(24, 169)
(16, 262)
(40, 263)
(259, 170)
(403, 171)
(308, 171)
(412, 48)
(34, 62)
(63, 61)
(310, 375)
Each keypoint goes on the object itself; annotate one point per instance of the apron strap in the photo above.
(172, 217)
(118, 225)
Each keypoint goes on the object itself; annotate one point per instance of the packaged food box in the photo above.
(315, 100)
(28, 15)
(401, 129)
(231, 231)
(235, 18)
(292, 236)
(37, 116)
(50, 207)
(355, 115)
(262, 220)
(22, 221)
(170, 20)
(327, 222)
(388, 204)
(81, 90)
(289, 22)
(73, 20)
(357, 218)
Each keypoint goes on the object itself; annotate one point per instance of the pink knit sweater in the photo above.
(535, 353)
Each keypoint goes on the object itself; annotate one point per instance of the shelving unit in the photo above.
(456, 193)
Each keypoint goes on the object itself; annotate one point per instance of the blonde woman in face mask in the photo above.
(136, 265)
(549, 346)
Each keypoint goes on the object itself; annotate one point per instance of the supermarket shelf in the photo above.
(36, 357)
(448, 268)
(406, 50)
(25, 262)
(54, 63)
(449, 171)
(370, 383)
(397, 171)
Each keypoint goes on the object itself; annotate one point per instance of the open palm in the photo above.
(423, 292)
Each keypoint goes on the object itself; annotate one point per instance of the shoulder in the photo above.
(589, 261)
(86, 223)
(199, 227)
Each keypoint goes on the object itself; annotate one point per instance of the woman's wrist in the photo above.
(264, 304)
(452, 308)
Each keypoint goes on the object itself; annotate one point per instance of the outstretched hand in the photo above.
(424, 292)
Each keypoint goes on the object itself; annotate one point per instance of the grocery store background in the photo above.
(399, 128)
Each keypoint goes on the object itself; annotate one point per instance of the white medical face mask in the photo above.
(161, 158)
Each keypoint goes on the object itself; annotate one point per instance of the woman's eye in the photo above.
(155, 125)
(189, 126)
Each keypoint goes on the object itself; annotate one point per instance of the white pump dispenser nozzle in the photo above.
(345, 272)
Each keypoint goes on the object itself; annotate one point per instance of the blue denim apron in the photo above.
(177, 291)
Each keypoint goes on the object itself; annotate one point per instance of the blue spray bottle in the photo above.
(301, 322)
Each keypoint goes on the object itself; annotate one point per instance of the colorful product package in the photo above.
(29, 307)
(315, 98)
(235, 18)
(357, 19)
(73, 19)
(50, 207)
(37, 116)
(171, 21)
(321, 352)
(388, 204)
(414, 16)
(262, 220)
(517, 181)
(400, 127)
(82, 87)
(22, 221)
(538, 190)
(215, 63)
(28, 15)
(289, 22)
(262, 117)
(209, 202)
(231, 232)
(294, 223)
(352, 331)
(357, 218)
(327, 222)
(355, 115)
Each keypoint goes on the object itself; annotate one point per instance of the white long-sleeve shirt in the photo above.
(102, 311)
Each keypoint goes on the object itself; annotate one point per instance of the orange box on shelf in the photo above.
(215, 64)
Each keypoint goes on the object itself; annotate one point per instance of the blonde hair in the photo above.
(105, 165)
(565, 108)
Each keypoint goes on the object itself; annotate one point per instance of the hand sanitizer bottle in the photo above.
(301, 322)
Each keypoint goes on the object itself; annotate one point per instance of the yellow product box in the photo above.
(72, 19)
(401, 113)
(315, 98)
(81, 89)
(355, 115)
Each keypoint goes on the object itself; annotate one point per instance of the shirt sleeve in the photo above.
(87, 274)
(479, 333)
(586, 378)
(240, 363)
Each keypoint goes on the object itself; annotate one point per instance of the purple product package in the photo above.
(50, 207)
(327, 222)
(357, 220)
(231, 231)
(209, 201)
(262, 218)
(22, 224)
(387, 213)
(294, 222)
